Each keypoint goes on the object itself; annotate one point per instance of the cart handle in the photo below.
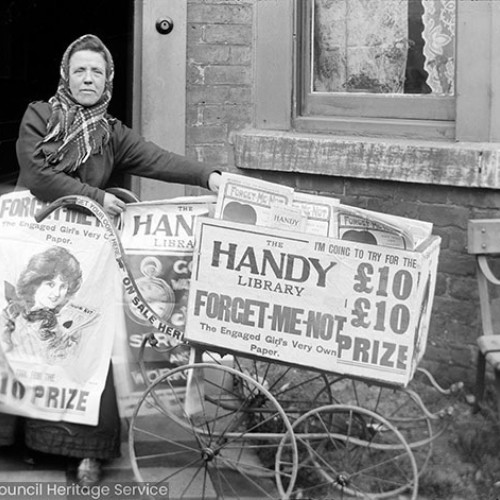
(113, 237)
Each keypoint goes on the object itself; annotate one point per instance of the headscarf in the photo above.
(74, 132)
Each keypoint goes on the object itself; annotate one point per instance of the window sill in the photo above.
(466, 164)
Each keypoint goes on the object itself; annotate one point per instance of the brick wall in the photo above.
(220, 101)
(219, 76)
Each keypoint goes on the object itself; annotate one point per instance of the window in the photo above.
(468, 109)
(383, 59)
(383, 46)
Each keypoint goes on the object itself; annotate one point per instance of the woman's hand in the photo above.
(214, 180)
(113, 206)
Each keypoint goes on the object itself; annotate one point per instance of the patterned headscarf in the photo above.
(74, 132)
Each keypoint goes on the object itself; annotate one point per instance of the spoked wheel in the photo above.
(297, 390)
(203, 428)
(403, 408)
(347, 451)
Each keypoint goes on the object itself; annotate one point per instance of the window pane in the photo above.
(384, 46)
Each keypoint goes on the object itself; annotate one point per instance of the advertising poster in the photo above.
(58, 311)
(338, 306)
(158, 239)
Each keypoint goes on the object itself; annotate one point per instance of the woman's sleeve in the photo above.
(35, 174)
(135, 155)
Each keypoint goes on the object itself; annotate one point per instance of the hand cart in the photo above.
(288, 432)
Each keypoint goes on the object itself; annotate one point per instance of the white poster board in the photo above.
(58, 311)
(333, 305)
(158, 240)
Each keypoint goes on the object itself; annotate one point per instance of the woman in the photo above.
(71, 146)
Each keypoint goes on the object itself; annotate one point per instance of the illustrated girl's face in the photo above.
(51, 293)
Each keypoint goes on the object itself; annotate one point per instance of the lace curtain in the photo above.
(439, 46)
(377, 46)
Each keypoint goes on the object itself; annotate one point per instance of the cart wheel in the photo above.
(401, 407)
(297, 390)
(347, 451)
(193, 432)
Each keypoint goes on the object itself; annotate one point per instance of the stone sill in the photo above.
(463, 164)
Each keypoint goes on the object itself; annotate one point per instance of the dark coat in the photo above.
(126, 153)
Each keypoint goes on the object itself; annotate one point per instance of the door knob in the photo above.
(164, 25)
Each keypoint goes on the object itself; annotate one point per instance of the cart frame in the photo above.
(334, 433)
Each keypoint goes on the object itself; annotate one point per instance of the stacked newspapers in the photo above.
(262, 203)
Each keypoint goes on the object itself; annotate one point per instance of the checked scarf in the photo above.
(74, 132)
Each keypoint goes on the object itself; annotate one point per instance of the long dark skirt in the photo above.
(71, 440)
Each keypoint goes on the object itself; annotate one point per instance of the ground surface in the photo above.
(465, 463)
(465, 460)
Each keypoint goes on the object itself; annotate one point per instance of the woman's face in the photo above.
(87, 76)
(51, 293)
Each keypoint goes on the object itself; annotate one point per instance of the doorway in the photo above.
(33, 37)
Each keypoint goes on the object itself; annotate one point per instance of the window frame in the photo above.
(420, 117)
(476, 105)
(348, 104)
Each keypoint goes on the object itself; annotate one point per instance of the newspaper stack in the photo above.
(262, 203)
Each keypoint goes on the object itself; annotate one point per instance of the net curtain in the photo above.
(363, 45)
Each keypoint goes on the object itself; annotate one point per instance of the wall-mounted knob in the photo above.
(164, 25)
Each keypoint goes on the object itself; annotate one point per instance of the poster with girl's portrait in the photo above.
(58, 311)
